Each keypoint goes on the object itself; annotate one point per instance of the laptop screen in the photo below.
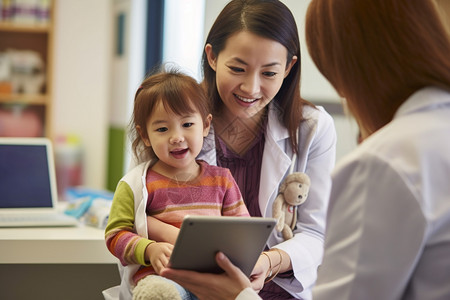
(24, 176)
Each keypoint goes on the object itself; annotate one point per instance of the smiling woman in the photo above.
(249, 72)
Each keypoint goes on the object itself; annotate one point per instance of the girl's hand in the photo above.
(158, 254)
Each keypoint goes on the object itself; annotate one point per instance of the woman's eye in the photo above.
(162, 129)
(270, 74)
(236, 69)
(188, 124)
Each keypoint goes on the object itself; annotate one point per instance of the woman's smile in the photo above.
(246, 100)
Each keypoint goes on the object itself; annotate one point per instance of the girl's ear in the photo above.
(207, 125)
(212, 59)
(290, 65)
(144, 136)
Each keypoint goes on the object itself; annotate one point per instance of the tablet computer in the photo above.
(241, 239)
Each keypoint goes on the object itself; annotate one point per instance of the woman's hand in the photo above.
(224, 286)
(158, 254)
(260, 272)
(269, 264)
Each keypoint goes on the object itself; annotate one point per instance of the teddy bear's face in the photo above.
(296, 193)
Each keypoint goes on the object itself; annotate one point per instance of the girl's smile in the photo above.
(176, 140)
(179, 153)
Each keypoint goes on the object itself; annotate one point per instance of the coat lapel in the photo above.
(275, 161)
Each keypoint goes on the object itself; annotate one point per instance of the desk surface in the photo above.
(77, 245)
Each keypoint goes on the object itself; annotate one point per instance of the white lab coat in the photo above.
(388, 230)
(317, 152)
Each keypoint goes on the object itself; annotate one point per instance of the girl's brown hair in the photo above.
(377, 53)
(269, 19)
(178, 92)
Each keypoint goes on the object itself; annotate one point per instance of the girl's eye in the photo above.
(236, 69)
(161, 129)
(269, 74)
(188, 124)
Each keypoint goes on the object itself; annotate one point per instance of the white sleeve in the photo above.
(375, 232)
(248, 294)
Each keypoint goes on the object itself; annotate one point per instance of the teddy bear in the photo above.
(156, 288)
(293, 192)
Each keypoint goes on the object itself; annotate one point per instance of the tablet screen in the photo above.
(241, 239)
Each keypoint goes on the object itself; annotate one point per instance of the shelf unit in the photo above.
(37, 37)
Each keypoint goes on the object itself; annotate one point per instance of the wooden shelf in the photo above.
(17, 27)
(35, 99)
(37, 37)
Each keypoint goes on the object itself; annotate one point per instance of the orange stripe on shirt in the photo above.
(187, 207)
(205, 181)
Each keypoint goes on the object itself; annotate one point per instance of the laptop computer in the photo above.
(241, 239)
(28, 193)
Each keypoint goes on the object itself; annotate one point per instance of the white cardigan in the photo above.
(136, 181)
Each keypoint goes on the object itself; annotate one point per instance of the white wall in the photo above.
(183, 34)
(81, 74)
(128, 68)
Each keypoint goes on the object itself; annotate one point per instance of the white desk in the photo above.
(55, 263)
(71, 245)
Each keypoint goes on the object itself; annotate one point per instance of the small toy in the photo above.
(292, 193)
(155, 287)
(27, 71)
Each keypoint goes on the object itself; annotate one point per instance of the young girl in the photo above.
(170, 119)
(251, 67)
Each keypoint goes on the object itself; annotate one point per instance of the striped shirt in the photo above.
(213, 192)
